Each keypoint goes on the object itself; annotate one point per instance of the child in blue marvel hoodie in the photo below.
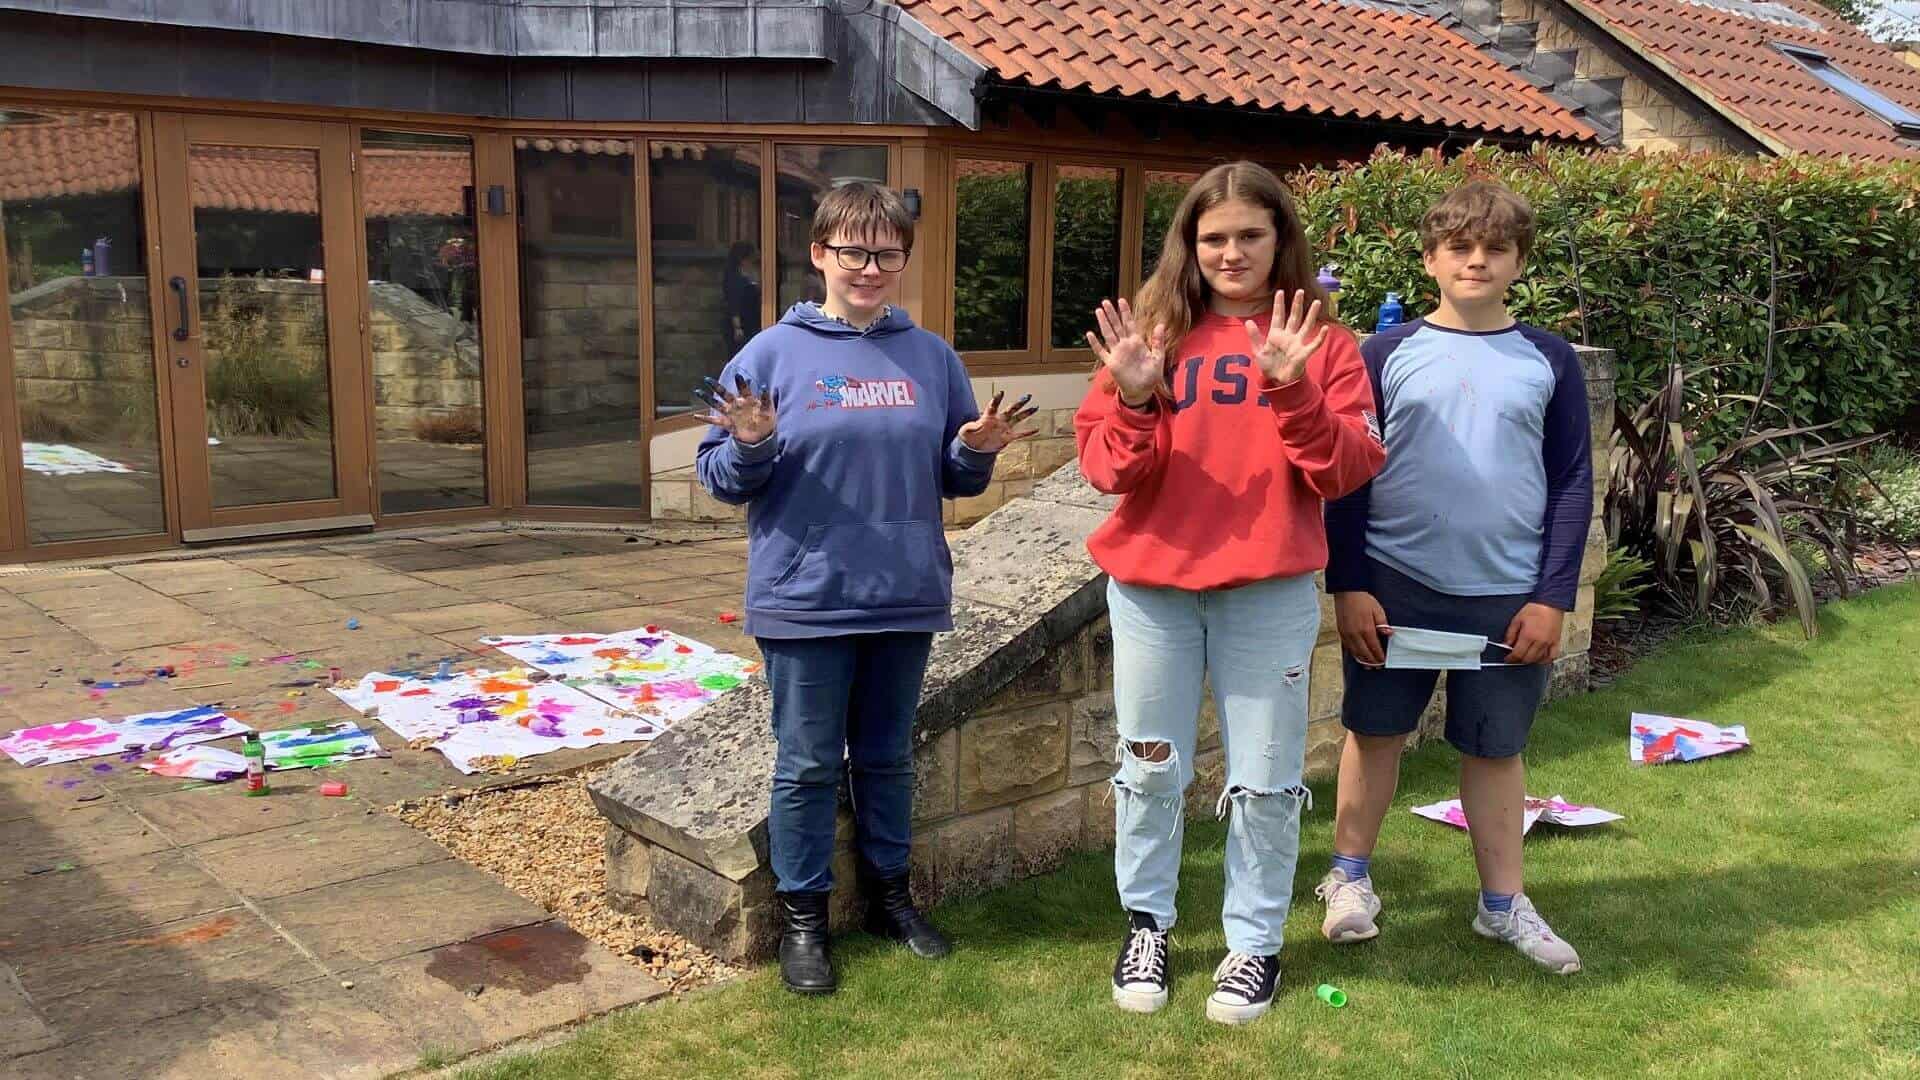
(841, 429)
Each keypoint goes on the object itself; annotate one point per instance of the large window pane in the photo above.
(423, 273)
(75, 279)
(990, 254)
(1086, 249)
(706, 262)
(804, 175)
(263, 318)
(580, 322)
(1163, 193)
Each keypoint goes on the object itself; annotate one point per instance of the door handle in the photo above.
(179, 286)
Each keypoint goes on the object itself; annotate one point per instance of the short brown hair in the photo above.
(1479, 210)
(863, 208)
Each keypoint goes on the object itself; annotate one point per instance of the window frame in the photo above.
(1904, 121)
(1041, 356)
(767, 146)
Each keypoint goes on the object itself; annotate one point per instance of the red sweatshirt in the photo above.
(1224, 486)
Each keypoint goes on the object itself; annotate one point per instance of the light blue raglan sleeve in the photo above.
(964, 471)
(730, 470)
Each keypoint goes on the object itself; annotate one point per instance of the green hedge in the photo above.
(1667, 258)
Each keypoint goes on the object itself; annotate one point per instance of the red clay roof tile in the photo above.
(1731, 62)
(1323, 57)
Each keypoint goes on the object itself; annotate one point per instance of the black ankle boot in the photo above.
(806, 965)
(891, 914)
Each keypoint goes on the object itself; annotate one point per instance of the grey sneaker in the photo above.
(1352, 905)
(1524, 929)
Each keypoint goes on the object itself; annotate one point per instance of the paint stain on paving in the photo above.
(530, 960)
(211, 930)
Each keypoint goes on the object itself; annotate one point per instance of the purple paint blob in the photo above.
(103, 768)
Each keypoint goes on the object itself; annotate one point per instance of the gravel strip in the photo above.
(546, 841)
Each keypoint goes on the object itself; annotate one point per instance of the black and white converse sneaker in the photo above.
(1140, 972)
(1242, 988)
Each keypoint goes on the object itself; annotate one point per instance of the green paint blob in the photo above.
(719, 682)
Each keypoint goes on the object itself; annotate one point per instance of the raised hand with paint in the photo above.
(994, 431)
(1222, 448)
(748, 415)
(1283, 350)
(1134, 360)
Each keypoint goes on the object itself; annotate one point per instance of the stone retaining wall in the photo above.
(1014, 738)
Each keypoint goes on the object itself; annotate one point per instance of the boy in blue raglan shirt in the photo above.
(841, 430)
(1476, 526)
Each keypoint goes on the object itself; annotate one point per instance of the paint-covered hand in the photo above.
(1136, 360)
(1534, 635)
(995, 431)
(743, 411)
(1292, 336)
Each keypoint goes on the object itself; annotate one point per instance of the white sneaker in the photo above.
(1524, 929)
(1352, 905)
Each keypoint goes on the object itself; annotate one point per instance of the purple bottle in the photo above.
(102, 265)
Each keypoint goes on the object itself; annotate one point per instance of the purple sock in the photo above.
(1354, 866)
(1497, 901)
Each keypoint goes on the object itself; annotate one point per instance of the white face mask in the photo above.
(1437, 650)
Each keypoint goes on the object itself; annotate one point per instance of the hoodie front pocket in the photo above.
(861, 566)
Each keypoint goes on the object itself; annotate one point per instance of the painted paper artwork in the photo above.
(1553, 811)
(58, 459)
(313, 747)
(656, 672)
(198, 763)
(77, 740)
(483, 719)
(1655, 740)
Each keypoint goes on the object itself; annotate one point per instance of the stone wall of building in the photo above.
(1650, 119)
(83, 354)
(580, 340)
(1015, 736)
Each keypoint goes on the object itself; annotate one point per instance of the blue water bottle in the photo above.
(1391, 314)
(86, 262)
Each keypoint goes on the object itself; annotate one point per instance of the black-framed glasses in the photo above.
(852, 257)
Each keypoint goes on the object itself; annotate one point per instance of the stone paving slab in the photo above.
(371, 919)
(203, 933)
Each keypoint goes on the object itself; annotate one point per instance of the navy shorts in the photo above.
(1489, 711)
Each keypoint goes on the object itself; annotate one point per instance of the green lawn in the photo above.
(1756, 914)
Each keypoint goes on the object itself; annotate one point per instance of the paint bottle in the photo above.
(255, 752)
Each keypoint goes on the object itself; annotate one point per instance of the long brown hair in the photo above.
(1177, 293)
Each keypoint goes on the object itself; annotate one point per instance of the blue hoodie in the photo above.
(843, 500)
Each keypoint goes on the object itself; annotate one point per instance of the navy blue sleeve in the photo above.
(1346, 517)
(963, 471)
(1567, 454)
(731, 471)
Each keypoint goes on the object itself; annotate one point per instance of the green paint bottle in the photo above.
(255, 752)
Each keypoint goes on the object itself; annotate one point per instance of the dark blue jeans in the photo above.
(840, 701)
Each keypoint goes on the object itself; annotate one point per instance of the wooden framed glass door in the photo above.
(259, 272)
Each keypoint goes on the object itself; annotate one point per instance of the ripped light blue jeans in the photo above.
(1255, 645)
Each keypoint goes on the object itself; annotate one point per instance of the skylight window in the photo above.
(1904, 120)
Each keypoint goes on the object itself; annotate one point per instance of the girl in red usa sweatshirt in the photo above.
(1222, 450)
(1223, 475)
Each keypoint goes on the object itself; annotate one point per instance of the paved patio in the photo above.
(156, 928)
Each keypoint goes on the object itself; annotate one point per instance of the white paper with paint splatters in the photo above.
(77, 740)
(59, 459)
(1554, 811)
(656, 672)
(489, 718)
